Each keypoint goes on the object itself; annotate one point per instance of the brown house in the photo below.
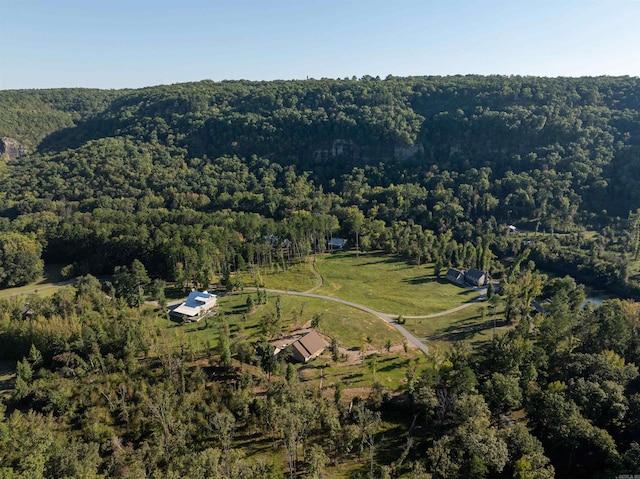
(308, 347)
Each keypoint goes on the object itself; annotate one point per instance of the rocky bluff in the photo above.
(12, 148)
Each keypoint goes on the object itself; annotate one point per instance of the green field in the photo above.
(473, 324)
(350, 326)
(378, 281)
(388, 285)
(43, 286)
(297, 277)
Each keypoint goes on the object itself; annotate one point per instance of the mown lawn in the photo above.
(474, 324)
(388, 285)
(376, 280)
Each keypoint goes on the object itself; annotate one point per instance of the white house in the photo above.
(196, 306)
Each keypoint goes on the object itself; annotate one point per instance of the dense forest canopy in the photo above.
(416, 156)
(529, 135)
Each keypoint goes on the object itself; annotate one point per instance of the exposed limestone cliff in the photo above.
(12, 148)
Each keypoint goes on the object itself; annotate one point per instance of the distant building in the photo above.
(512, 229)
(308, 347)
(274, 241)
(336, 243)
(26, 311)
(476, 277)
(473, 276)
(455, 276)
(196, 306)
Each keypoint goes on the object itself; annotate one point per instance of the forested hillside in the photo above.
(202, 184)
(547, 137)
(414, 156)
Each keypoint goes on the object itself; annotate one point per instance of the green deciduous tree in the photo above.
(20, 261)
(130, 282)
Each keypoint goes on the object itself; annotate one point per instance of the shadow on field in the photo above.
(422, 280)
(390, 367)
(457, 332)
(7, 378)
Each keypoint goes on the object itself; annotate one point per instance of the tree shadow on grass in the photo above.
(237, 309)
(386, 360)
(390, 367)
(457, 332)
(370, 258)
(422, 280)
(7, 377)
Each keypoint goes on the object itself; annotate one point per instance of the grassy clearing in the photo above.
(45, 285)
(473, 324)
(297, 277)
(389, 369)
(379, 281)
(387, 284)
(350, 326)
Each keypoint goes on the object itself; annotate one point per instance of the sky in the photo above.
(136, 43)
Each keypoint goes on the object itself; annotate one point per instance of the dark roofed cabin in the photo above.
(455, 276)
(476, 277)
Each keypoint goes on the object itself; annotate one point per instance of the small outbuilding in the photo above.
(197, 305)
(455, 276)
(308, 347)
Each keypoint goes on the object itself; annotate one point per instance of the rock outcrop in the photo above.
(12, 148)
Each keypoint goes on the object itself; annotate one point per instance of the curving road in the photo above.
(388, 318)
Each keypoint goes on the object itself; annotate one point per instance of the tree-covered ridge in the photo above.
(31, 115)
(416, 157)
(580, 134)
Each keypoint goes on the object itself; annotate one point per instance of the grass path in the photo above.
(319, 280)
